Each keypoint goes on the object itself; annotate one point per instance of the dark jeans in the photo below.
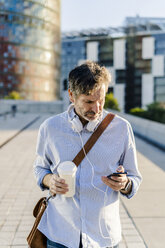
(51, 244)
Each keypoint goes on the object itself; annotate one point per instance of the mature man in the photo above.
(91, 217)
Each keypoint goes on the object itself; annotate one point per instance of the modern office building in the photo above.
(134, 54)
(30, 48)
(145, 57)
(73, 52)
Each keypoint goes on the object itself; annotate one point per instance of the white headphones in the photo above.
(76, 123)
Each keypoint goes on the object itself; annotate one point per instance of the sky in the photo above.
(84, 14)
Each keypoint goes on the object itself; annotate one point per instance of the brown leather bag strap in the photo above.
(93, 138)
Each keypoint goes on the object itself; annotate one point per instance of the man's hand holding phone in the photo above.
(118, 180)
(117, 174)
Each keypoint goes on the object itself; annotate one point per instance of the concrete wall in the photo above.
(92, 51)
(54, 107)
(147, 89)
(151, 131)
(148, 46)
(119, 54)
(119, 93)
(158, 66)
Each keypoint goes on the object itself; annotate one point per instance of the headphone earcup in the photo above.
(92, 125)
(76, 125)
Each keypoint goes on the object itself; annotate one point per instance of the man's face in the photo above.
(89, 107)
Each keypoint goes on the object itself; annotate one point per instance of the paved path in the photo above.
(147, 208)
(140, 216)
(11, 126)
(18, 188)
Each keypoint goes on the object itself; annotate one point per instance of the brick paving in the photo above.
(19, 192)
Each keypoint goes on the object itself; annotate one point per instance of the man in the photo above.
(91, 217)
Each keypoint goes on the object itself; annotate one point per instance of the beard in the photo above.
(91, 115)
(86, 116)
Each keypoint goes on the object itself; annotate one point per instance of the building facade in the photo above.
(30, 48)
(134, 54)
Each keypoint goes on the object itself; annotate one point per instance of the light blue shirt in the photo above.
(94, 210)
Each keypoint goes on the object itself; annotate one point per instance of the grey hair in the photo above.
(87, 77)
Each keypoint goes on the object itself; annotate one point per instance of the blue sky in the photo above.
(82, 14)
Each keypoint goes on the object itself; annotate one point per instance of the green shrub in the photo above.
(13, 95)
(111, 102)
(138, 111)
(155, 111)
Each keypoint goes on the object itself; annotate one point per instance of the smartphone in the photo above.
(116, 174)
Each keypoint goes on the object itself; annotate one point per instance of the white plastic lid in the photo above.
(66, 167)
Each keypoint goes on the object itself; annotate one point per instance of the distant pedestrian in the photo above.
(91, 217)
(13, 110)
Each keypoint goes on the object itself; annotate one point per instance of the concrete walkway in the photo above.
(143, 217)
(11, 126)
(147, 208)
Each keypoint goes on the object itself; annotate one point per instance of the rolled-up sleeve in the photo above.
(42, 162)
(129, 161)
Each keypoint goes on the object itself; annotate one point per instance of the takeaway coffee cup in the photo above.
(67, 171)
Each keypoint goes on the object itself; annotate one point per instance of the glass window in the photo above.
(5, 55)
(160, 81)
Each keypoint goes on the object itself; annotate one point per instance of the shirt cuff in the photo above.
(41, 177)
(135, 187)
